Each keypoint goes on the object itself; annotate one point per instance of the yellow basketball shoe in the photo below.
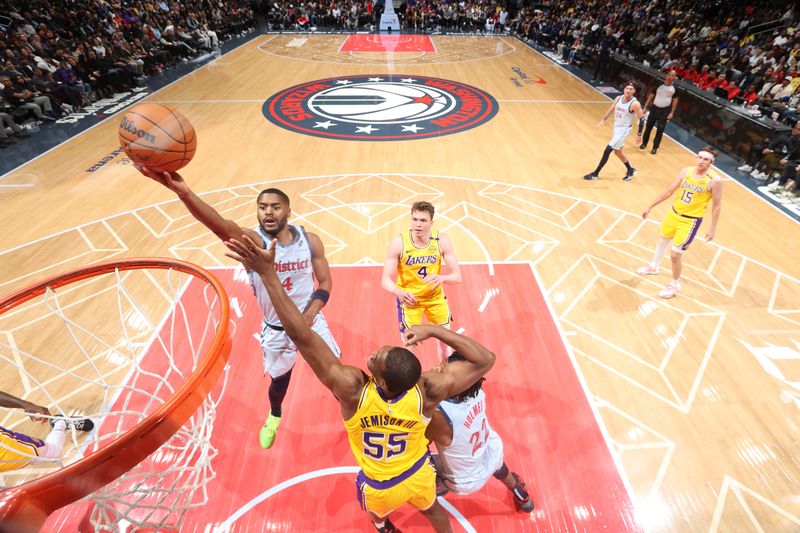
(267, 435)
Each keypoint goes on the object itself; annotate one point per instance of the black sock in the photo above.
(628, 165)
(277, 392)
(603, 160)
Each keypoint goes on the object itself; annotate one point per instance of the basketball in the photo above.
(157, 137)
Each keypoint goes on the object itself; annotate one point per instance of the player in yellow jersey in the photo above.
(385, 413)
(18, 450)
(416, 257)
(692, 190)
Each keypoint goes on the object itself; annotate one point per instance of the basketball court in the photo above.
(622, 411)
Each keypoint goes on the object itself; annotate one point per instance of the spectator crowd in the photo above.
(59, 56)
(746, 53)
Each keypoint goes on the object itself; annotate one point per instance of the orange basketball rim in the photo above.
(25, 507)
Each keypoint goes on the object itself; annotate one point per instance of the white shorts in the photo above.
(619, 138)
(491, 462)
(280, 353)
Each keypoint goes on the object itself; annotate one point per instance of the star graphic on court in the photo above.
(412, 128)
(408, 80)
(375, 79)
(366, 129)
(327, 124)
(343, 82)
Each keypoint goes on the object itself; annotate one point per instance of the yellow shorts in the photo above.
(682, 230)
(419, 490)
(17, 449)
(436, 311)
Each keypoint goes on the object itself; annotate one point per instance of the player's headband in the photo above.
(707, 154)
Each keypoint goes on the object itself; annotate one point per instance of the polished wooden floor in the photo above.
(698, 396)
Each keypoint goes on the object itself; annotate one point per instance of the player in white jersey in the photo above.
(625, 109)
(300, 257)
(470, 450)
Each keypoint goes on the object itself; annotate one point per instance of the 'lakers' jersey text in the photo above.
(387, 437)
(693, 195)
(418, 262)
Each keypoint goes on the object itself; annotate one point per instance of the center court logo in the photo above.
(380, 108)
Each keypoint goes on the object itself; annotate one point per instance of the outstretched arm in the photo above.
(344, 381)
(668, 192)
(458, 376)
(608, 112)
(222, 227)
(7, 400)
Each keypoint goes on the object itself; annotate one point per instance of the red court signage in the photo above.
(380, 107)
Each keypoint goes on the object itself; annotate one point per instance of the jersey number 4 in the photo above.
(422, 272)
(287, 284)
(476, 440)
(382, 446)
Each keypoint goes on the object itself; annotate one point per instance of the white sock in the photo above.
(54, 442)
(661, 247)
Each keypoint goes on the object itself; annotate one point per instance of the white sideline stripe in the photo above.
(604, 102)
(244, 509)
(260, 101)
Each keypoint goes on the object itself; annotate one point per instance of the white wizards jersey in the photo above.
(623, 114)
(293, 266)
(467, 457)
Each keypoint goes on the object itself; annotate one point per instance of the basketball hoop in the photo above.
(117, 340)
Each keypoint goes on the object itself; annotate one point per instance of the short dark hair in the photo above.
(632, 84)
(472, 391)
(423, 206)
(272, 190)
(710, 150)
(401, 370)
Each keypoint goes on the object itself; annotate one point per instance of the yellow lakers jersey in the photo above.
(16, 449)
(415, 263)
(693, 195)
(387, 436)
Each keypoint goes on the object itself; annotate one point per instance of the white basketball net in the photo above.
(114, 348)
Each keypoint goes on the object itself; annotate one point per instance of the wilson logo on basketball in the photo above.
(130, 127)
(380, 107)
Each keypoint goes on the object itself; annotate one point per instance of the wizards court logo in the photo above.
(380, 108)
